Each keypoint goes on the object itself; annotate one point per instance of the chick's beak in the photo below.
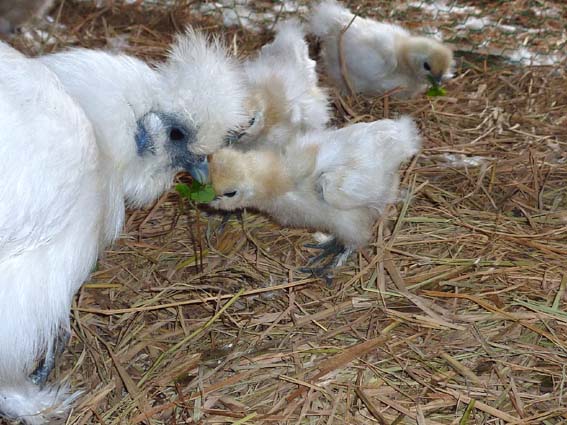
(200, 171)
(438, 79)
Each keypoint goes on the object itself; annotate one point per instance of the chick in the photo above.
(84, 133)
(334, 181)
(378, 56)
(14, 13)
(283, 91)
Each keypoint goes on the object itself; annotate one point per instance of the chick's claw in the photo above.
(328, 249)
(334, 252)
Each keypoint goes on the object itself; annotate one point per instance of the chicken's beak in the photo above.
(200, 171)
(438, 79)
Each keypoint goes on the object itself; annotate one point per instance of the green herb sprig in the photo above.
(435, 89)
(198, 192)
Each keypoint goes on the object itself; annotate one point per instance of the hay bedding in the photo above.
(454, 315)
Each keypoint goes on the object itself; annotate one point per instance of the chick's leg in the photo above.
(41, 373)
(333, 250)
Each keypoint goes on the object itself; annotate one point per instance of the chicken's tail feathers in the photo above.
(35, 405)
(290, 40)
(290, 46)
(328, 17)
(291, 30)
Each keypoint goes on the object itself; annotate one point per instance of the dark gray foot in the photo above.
(41, 373)
(333, 254)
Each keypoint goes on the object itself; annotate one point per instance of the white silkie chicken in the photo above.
(14, 13)
(81, 133)
(378, 57)
(283, 92)
(334, 181)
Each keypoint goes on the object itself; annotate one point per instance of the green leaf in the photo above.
(202, 193)
(183, 190)
(436, 91)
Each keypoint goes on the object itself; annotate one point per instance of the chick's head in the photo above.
(246, 179)
(429, 59)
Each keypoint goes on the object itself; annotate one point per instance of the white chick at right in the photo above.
(333, 181)
(378, 57)
(282, 90)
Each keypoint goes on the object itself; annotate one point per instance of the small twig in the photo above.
(110, 312)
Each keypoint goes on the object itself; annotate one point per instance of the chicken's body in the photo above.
(82, 133)
(49, 228)
(283, 92)
(334, 181)
(378, 57)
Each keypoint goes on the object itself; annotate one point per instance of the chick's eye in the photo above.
(176, 134)
(426, 66)
(229, 194)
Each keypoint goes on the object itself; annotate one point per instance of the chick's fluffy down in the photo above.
(379, 57)
(335, 181)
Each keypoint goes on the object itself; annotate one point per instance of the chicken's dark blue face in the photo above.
(159, 133)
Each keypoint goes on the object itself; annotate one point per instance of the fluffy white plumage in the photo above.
(215, 99)
(83, 132)
(378, 56)
(283, 90)
(335, 181)
(50, 189)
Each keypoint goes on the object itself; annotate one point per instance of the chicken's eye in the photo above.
(426, 66)
(229, 194)
(176, 134)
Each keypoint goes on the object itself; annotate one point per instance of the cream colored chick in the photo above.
(334, 181)
(378, 56)
(283, 92)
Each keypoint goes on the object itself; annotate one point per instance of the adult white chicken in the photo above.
(283, 91)
(81, 133)
(378, 57)
(334, 181)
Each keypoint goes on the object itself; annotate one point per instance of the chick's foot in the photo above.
(333, 254)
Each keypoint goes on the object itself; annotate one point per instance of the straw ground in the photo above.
(456, 314)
